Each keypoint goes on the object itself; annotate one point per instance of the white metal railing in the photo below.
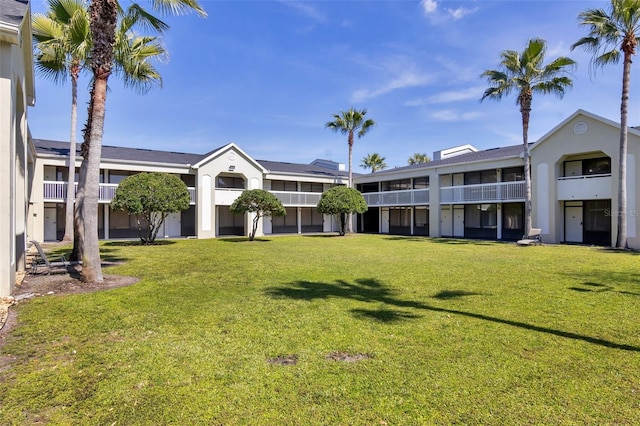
(584, 176)
(406, 197)
(298, 199)
(56, 192)
(483, 193)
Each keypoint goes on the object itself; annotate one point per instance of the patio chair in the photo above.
(42, 260)
(534, 238)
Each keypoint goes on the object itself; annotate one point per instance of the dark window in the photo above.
(596, 166)
(368, 187)
(513, 174)
(400, 221)
(286, 224)
(229, 182)
(228, 223)
(421, 183)
(484, 176)
(117, 177)
(512, 221)
(311, 220)
(189, 180)
(480, 221)
(284, 185)
(421, 225)
(396, 185)
(311, 187)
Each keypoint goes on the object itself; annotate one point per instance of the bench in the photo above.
(534, 238)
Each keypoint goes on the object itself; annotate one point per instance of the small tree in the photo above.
(259, 202)
(342, 201)
(151, 197)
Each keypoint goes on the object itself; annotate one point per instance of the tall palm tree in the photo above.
(103, 22)
(349, 123)
(612, 34)
(525, 73)
(374, 162)
(418, 158)
(62, 42)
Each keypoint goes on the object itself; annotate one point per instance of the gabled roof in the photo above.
(44, 146)
(218, 151)
(296, 168)
(491, 154)
(586, 114)
(13, 11)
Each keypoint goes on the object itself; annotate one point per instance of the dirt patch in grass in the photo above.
(284, 360)
(347, 357)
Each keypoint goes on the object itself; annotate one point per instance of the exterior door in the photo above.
(446, 222)
(573, 224)
(172, 225)
(50, 224)
(384, 221)
(458, 221)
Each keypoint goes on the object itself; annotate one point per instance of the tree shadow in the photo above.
(594, 282)
(372, 290)
(133, 243)
(454, 294)
(244, 240)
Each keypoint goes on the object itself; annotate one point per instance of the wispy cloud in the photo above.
(398, 72)
(307, 9)
(430, 9)
(451, 115)
(446, 97)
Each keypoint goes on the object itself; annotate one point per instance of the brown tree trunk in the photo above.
(349, 217)
(525, 109)
(621, 237)
(71, 193)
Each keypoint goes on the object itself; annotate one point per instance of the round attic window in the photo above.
(231, 155)
(580, 128)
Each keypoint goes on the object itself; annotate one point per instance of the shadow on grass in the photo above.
(457, 241)
(244, 240)
(372, 290)
(594, 282)
(132, 243)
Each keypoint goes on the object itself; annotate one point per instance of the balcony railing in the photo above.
(407, 197)
(586, 187)
(56, 192)
(484, 193)
(297, 199)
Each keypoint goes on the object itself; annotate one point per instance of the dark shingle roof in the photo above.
(308, 169)
(13, 11)
(120, 153)
(485, 155)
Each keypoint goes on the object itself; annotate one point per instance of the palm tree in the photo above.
(418, 158)
(525, 73)
(62, 45)
(612, 34)
(374, 162)
(348, 123)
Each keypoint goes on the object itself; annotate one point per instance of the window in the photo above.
(368, 187)
(284, 185)
(596, 166)
(396, 185)
(229, 182)
(513, 174)
(399, 217)
(484, 176)
(421, 183)
(480, 216)
(311, 187)
(512, 216)
(117, 177)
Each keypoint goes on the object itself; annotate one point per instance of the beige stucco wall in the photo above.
(230, 161)
(588, 135)
(14, 99)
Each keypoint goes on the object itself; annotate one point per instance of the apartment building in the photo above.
(468, 193)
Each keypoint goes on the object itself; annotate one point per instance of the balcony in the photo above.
(588, 187)
(484, 193)
(407, 197)
(56, 192)
(297, 199)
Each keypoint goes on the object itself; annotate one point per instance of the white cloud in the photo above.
(451, 115)
(407, 78)
(429, 6)
(460, 12)
(446, 97)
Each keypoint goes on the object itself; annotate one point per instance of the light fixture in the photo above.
(232, 168)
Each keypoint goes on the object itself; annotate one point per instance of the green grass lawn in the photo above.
(443, 332)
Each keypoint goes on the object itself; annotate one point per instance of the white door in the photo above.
(384, 221)
(446, 222)
(172, 225)
(50, 224)
(458, 221)
(573, 224)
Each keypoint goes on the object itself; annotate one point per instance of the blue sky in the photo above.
(269, 74)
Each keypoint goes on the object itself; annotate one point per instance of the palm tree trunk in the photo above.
(103, 18)
(71, 193)
(349, 218)
(525, 110)
(621, 238)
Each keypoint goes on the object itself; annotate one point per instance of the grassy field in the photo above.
(359, 330)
